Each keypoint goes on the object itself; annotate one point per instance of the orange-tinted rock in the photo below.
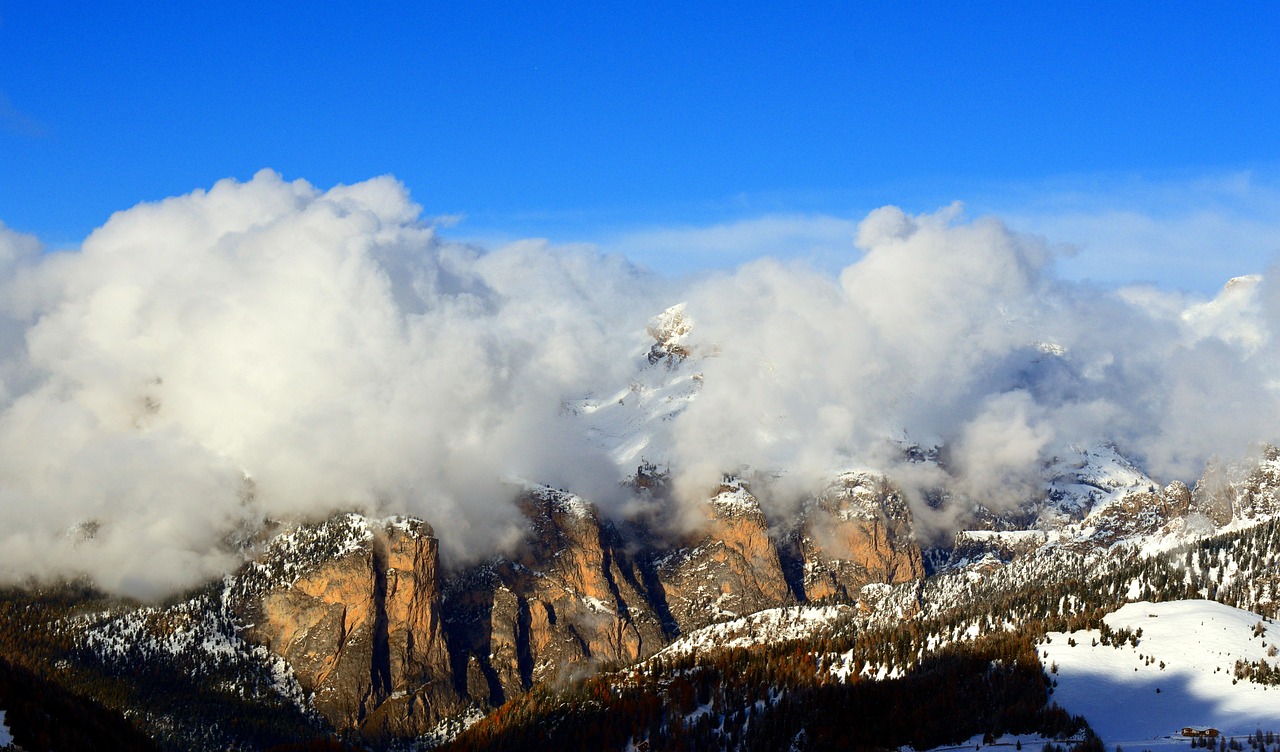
(733, 568)
(856, 533)
(570, 600)
(354, 609)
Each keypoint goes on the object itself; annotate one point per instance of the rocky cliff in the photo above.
(353, 625)
(383, 643)
(569, 599)
(728, 568)
(1248, 489)
(857, 532)
(353, 607)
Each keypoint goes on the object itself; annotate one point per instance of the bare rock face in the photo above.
(857, 532)
(382, 644)
(353, 606)
(1240, 490)
(1000, 547)
(570, 600)
(1155, 511)
(731, 571)
(1177, 499)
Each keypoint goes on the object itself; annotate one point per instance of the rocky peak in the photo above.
(571, 598)
(1241, 490)
(856, 532)
(1150, 513)
(559, 522)
(633, 424)
(353, 607)
(670, 331)
(1227, 493)
(729, 569)
(1086, 477)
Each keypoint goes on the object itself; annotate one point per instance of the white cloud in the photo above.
(268, 349)
(958, 332)
(323, 344)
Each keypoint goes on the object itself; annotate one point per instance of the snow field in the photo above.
(1179, 673)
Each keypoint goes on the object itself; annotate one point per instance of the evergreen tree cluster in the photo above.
(179, 697)
(956, 652)
(43, 716)
(777, 697)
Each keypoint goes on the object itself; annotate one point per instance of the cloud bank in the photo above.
(267, 349)
(957, 334)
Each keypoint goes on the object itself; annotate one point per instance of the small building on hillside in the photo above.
(1200, 731)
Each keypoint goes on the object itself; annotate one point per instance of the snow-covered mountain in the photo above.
(353, 626)
(633, 423)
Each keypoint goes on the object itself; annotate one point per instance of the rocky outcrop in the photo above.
(670, 331)
(1151, 512)
(857, 532)
(973, 546)
(381, 643)
(579, 592)
(353, 607)
(731, 569)
(1244, 490)
(351, 624)
(1227, 492)
(569, 600)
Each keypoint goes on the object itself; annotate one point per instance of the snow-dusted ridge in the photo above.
(199, 631)
(734, 498)
(560, 500)
(768, 627)
(1086, 478)
(203, 631)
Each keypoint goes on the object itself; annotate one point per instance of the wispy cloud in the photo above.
(1190, 233)
(822, 239)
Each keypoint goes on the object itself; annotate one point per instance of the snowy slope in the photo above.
(6, 738)
(633, 424)
(1129, 697)
(770, 626)
(1086, 478)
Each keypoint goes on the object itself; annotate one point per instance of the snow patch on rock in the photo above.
(768, 627)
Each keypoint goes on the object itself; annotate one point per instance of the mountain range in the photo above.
(875, 608)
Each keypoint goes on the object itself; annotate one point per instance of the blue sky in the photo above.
(684, 135)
